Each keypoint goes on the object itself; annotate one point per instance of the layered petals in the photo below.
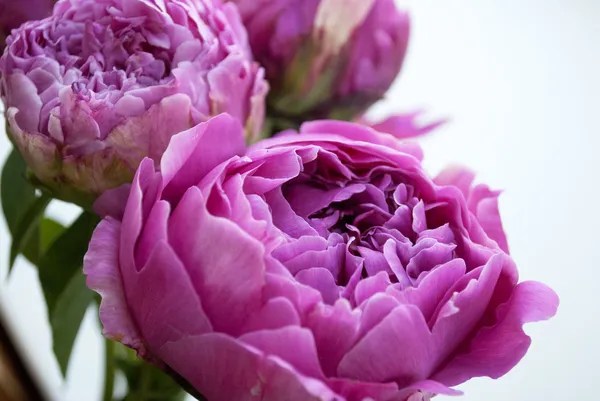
(99, 85)
(319, 265)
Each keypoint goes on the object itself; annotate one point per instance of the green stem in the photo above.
(109, 371)
(145, 381)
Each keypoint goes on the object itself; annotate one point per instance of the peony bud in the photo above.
(326, 58)
(101, 84)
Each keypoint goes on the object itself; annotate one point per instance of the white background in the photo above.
(521, 83)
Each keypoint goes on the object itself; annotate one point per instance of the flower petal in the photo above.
(162, 299)
(335, 330)
(497, 349)
(293, 344)
(101, 265)
(193, 153)
(225, 369)
(230, 282)
(407, 356)
(483, 202)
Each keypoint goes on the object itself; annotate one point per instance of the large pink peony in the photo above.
(100, 84)
(324, 265)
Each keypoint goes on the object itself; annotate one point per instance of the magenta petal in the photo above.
(142, 195)
(113, 202)
(285, 218)
(335, 329)
(483, 202)
(193, 153)
(404, 126)
(275, 313)
(375, 310)
(155, 230)
(293, 344)
(406, 357)
(225, 369)
(368, 287)
(497, 349)
(433, 387)
(163, 299)
(322, 280)
(424, 390)
(354, 390)
(331, 258)
(357, 132)
(431, 290)
(101, 265)
(304, 298)
(460, 177)
(230, 283)
(460, 314)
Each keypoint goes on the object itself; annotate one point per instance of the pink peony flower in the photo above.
(324, 265)
(326, 58)
(101, 84)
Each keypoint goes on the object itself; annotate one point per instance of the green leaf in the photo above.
(21, 207)
(64, 258)
(66, 317)
(28, 227)
(41, 239)
(50, 230)
(63, 282)
(32, 248)
(17, 193)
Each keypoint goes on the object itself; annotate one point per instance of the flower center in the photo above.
(369, 226)
(368, 208)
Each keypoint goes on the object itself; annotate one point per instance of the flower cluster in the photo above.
(320, 263)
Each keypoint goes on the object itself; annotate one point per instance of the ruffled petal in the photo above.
(497, 349)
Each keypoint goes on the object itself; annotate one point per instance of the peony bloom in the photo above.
(101, 84)
(326, 58)
(320, 266)
(14, 12)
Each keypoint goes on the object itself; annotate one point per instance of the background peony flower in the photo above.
(320, 266)
(101, 84)
(326, 58)
(14, 12)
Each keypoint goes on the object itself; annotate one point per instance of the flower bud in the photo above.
(101, 84)
(326, 58)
